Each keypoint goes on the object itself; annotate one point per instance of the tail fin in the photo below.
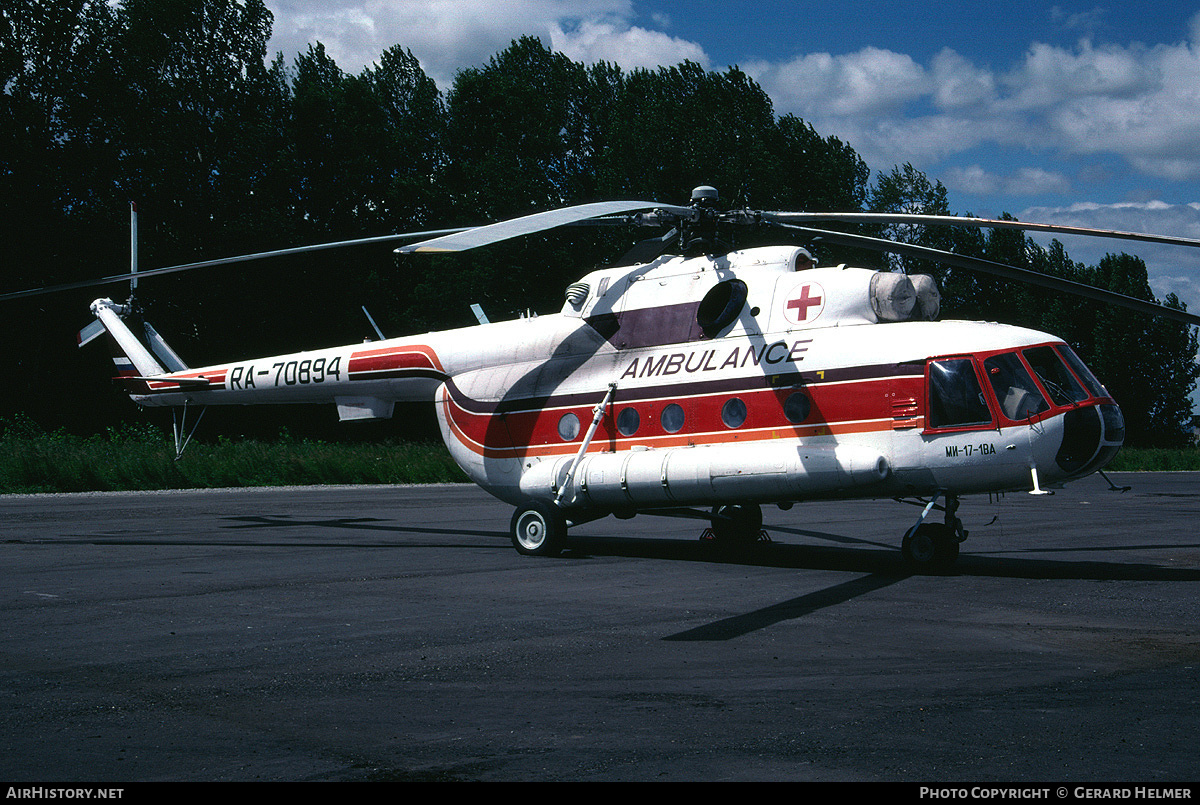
(164, 352)
(131, 356)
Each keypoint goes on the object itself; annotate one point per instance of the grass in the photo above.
(1133, 459)
(32, 461)
(142, 458)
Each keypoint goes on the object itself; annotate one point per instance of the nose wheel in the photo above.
(932, 545)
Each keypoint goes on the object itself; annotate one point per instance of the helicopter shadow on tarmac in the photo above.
(882, 559)
(877, 565)
(851, 554)
(882, 566)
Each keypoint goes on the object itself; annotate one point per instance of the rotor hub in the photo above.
(705, 196)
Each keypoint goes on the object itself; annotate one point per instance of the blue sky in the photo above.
(1081, 113)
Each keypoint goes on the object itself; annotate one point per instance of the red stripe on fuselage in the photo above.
(390, 359)
(851, 406)
(216, 380)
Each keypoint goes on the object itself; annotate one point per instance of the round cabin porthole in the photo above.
(733, 413)
(797, 407)
(628, 421)
(568, 427)
(672, 418)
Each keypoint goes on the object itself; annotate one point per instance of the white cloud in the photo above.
(1139, 103)
(958, 84)
(445, 35)
(976, 180)
(1052, 75)
(1086, 21)
(866, 83)
(630, 47)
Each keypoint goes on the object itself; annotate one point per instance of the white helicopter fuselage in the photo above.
(709, 380)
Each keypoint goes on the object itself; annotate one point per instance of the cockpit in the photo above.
(994, 390)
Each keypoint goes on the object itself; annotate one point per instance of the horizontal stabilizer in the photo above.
(198, 382)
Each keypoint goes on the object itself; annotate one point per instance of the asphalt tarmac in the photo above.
(394, 634)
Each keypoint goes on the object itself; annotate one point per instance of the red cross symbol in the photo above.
(806, 300)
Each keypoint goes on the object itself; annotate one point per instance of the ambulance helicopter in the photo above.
(702, 382)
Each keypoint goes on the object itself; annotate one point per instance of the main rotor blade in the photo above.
(1000, 270)
(538, 222)
(241, 258)
(987, 223)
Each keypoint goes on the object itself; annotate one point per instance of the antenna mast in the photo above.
(133, 248)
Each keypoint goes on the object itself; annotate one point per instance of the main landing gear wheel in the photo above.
(738, 524)
(539, 529)
(930, 545)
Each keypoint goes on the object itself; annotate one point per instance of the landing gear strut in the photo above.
(929, 545)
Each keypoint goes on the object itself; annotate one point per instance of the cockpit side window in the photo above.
(955, 397)
(1016, 392)
(1054, 376)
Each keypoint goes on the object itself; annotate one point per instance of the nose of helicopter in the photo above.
(1092, 437)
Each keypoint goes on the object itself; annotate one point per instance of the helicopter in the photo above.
(697, 380)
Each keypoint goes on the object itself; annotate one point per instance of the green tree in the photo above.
(1147, 363)
(966, 293)
(813, 173)
(192, 115)
(1177, 348)
(1062, 314)
(675, 128)
(58, 187)
(367, 149)
(58, 147)
(905, 190)
(410, 140)
(199, 116)
(516, 133)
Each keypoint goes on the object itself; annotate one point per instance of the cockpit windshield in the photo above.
(1082, 372)
(1025, 383)
(1054, 376)
(1015, 390)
